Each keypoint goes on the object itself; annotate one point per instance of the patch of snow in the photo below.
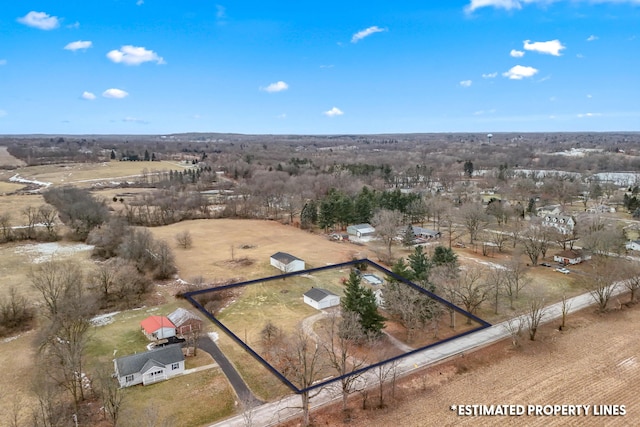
(103, 319)
(16, 178)
(213, 336)
(42, 252)
(9, 339)
(489, 264)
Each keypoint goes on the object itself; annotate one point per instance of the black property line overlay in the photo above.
(189, 296)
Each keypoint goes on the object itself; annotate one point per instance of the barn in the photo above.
(361, 230)
(158, 327)
(320, 299)
(286, 263)
(186, 322)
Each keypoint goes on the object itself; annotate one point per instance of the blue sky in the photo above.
(167, 66)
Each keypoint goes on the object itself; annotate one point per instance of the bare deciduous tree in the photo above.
(514, 327)
(386, 223)
(470, 290)
(516, 278)
(54, 280)
(184, 239)
(536, 310)
(113, 397)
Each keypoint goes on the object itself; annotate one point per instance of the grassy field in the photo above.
(7, 159)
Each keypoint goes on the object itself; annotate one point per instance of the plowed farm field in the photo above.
(596, 361)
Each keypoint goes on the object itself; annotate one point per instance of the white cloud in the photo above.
(74, 26)
(115, 93)
(589, 96)
(483, 112)
(592, 38)
(139, 2)
(221, 11)
(516, 53)
(88, 96)
(335, 111)
(490, 75)
(129, 119)
(3, 113)
(587, 115)
(40, 20)
(519, 72)
(517, 4)
(282, 116)
(552, 47)
(327, 66)
(3, 62)
(466, 83)
(80, 44)
(366, 33)
(134, 55)
(275, 87)
(579, 56)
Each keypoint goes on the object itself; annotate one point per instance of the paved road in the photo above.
(205, 343)
(274, 413)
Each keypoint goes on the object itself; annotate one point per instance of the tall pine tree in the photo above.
(362, 301)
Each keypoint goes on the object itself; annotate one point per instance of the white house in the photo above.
(571, 257)
(321, 298)
(562, 223)
(633, 245)
(158, 327)
(149, 367)
(361, 230)
(286, 263)
(426, 233)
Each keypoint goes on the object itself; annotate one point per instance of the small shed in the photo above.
(158, 327)
(361, 230)
(372, 279)
(319, 298)
(186, 321)
(150, 366)
(286, 263)
(571, 257)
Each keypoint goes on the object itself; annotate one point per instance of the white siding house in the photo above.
(321, 298)
(571, 257)
(286, 263)
(149, 367)
(633, 245)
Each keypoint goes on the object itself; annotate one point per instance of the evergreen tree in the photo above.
(113, 155)
(146, 156)
(468, 168)
(362, 301)
(443, 256)
(420, 266)
(309, 215)
(408, 238)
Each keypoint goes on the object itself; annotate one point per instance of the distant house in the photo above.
(158, 327)
(633, 245)
(562, 223)
(571, 257)
(321, 298)
(185, 321)
(548, 210)
(361, 230)
(286, 263)
(149, 367)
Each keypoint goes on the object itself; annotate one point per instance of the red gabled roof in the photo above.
(153, 323)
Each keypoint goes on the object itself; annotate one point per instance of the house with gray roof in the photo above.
(286, 263)
(150, 366)
(320, 299)
(361, 230)
(186, 321)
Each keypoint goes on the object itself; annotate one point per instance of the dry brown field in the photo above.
(593, 362)
(7, 159)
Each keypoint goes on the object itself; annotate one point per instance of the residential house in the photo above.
(321, 298)
(571, 257)
(150, 366)
(186, 321)
(426, 233)
(286, 263)
(563, 223)
(361, 230)
(158, 327)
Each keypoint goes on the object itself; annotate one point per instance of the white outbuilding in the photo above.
(361, 230)
(320, 299)
(286, 263)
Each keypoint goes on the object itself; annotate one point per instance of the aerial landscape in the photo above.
(271, 214)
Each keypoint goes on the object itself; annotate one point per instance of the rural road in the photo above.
(274, 413)
(205, 343)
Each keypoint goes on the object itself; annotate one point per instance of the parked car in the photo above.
(545, 264)
(563, 270)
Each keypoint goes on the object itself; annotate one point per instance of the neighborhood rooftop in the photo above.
(128, 365)
(284, 257)
(318, 294)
